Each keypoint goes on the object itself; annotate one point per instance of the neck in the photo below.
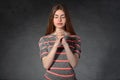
(58, 29)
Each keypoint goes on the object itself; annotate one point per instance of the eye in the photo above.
(55, 17)
(63, 16)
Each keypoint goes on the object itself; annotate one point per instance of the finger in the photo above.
(59, 37)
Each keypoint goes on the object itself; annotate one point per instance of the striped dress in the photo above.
(60, 68)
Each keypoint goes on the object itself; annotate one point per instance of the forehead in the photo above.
(59, 12)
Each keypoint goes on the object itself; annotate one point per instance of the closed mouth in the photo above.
(59, 23)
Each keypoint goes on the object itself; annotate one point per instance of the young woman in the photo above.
(60, 47)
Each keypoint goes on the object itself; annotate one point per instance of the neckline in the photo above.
(55, 35)
(68, 34)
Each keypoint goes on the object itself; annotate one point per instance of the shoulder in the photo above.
(75, 36)
(45, 37)
(76, 39)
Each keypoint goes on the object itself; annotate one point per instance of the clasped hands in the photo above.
(61, 38)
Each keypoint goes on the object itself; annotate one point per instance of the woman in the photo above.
(60, 47)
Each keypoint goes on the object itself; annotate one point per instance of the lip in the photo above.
(59, 23)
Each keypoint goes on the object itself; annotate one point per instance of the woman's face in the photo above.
(59, 19)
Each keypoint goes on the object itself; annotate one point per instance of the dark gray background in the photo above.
(23, 22)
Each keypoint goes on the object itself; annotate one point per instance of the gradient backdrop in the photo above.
(23, 22)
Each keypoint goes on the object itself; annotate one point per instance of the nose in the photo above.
(59, 19)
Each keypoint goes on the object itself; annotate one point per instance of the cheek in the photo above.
(54, 21)
(64, 21)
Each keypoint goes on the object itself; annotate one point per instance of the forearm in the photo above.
(48, 60)
(71, 57)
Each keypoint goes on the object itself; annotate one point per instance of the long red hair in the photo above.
(68, 26)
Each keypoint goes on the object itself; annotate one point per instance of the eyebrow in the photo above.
(60, 15)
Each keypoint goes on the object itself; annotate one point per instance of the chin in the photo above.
(60, 27)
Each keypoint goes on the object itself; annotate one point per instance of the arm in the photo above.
(73, 58)
(48, 60)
